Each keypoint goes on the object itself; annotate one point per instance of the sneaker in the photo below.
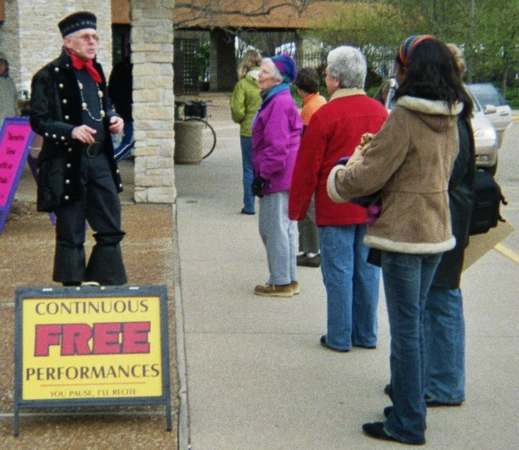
(305, 260)
(376, 430)
(274, 290)
(325, 345)
(295, 287)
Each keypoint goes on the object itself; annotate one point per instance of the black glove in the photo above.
(342, 161)
(257, 186)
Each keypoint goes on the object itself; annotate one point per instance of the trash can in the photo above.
(188, 142)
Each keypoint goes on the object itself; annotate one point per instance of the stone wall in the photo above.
(153, 107)
(31, 38)
(10, 41)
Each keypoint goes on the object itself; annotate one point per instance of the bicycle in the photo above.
(196, 111)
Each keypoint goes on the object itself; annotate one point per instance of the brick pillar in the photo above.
(153, 107)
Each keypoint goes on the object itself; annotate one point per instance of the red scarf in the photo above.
(79, 64)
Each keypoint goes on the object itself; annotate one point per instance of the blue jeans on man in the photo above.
(407, 279)
(445, 346)
(352, 287)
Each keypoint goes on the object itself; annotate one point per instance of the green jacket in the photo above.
(245, 101)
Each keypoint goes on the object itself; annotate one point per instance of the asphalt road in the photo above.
(508, 178)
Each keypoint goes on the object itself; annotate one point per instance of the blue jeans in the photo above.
(352, 287)
(248, 176)
(407, 279)
(445, 346)
(123, 150)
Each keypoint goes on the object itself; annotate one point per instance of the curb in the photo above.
(183, 439)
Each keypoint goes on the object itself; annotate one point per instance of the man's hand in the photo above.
(116, 125)
(84, 134)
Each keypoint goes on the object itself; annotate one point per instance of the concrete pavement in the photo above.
(253, 375)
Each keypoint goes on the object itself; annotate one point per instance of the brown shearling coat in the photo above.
(410, 161)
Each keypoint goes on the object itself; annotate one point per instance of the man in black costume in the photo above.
(78, 178)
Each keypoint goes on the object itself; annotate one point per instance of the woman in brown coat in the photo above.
(410, 162)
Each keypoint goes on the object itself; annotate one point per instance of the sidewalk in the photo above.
(252, 375)
(256, 375)
(26, 256)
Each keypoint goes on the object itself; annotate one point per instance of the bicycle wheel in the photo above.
(208, 137)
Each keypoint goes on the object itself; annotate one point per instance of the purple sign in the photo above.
(15, 139)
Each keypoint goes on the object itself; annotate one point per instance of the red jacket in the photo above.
(334, 131)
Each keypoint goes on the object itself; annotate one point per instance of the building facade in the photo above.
(29, 36)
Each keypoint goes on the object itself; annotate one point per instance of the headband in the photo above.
(409, 46)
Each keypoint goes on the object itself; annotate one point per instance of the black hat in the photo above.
(77, 21)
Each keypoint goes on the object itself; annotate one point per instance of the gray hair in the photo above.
(276, 74)
(348, 64)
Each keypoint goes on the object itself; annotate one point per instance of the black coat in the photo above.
(461, 202)
(55, 109)
(120, 85)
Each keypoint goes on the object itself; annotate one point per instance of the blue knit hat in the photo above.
(286, 66)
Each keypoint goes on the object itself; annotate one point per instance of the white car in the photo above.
(485, 136)
(485, 139)
(494, 107)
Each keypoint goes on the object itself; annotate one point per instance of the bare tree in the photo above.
(221, 13)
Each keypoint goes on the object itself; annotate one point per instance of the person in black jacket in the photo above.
(120, 90)
(78, 178)
(444, 321)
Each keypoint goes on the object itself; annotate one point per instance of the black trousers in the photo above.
(100, 207)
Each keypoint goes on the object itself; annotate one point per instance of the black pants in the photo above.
(101, 209)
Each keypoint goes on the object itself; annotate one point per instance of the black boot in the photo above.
(106, 266)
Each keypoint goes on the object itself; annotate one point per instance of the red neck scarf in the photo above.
(79, 64)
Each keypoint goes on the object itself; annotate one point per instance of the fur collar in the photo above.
(430, 107)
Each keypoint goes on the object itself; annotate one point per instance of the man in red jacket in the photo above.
(352, 284)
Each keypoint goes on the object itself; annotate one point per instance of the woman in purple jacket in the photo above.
(276, 131)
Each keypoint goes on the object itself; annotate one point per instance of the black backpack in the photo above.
(487, 203)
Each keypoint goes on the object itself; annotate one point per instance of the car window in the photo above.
(477, 106)
(487, 94)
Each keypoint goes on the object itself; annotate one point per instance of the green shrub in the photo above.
(512, 97)
(372, 91)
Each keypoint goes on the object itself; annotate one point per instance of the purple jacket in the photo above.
(276, 131)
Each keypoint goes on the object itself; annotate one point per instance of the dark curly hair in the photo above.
(432, 74)
(307, 80)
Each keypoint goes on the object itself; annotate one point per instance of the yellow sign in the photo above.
(91, 347)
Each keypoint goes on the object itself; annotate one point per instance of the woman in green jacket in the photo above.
(245, 102)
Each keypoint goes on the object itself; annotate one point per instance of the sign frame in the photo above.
(63, 294)
(15, 168)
